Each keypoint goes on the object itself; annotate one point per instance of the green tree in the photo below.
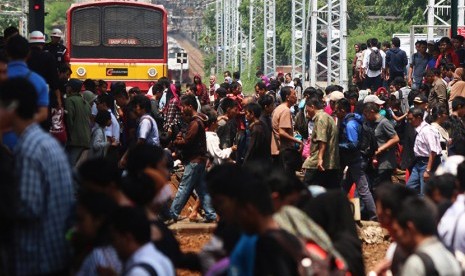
(56, 15)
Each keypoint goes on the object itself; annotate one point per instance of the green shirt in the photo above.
(77, 121)
(324, 130)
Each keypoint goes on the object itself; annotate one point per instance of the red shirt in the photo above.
(451, 57)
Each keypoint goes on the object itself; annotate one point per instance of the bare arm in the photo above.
(390, 143)
(284, 135)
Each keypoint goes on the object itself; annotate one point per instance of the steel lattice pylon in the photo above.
(269, 13)
(219, 35)
(328, 43)
(299, 42)
(437, 10)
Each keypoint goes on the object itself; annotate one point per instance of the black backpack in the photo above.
(376, 61)
(301, 124)
(368, 144)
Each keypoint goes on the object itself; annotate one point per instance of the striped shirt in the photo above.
(46, 198)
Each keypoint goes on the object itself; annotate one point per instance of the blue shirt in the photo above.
(242, 259)
(20, 69)
(45, 202)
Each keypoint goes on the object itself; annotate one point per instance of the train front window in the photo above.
(117, 32)
(86, 27)
(136, 27)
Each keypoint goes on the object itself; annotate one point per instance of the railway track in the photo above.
(195, 55)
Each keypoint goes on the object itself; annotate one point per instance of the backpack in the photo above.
(145, 266)
(376, 60)
(311, 259)
(301, 124)
(368, 144)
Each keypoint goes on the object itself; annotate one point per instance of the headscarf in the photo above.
(266, 80)
(457, 85)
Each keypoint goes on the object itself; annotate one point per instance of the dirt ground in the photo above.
(194, 242)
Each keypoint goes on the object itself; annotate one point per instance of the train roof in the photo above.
(116, 2)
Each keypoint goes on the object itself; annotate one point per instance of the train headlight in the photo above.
(152, 72)
(81, 71)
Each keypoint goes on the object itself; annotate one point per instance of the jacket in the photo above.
(77, 121)
(396, 59)
(349, 137)
(193, 142)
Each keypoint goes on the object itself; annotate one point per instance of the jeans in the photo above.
(416, 181)
(356, 174)
(193, 177)
(329, 179)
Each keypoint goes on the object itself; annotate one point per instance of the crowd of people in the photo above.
(86, 167)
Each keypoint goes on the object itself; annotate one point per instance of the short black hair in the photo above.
(438, 110)
(8, 32)
(343, 104)
(89, 85)
(99, 171)
(64, 68)
(445, 184)
(97, 204)
(421, 213)
(421, 42)
(241, 185)
(386, 44)
(309, 91)
(134, 221)
(142, 156)
(237, 75)
(392, 195)
(254, 108)
(368, 107)
(259, 74)
(17, 48)
(314, 101)
(124, 93)
(227, 73)
(417, 112)
(211, 114)
(189, 100)
(106, 99)
(19, 92)
(265, 100)
(222, 92)
(102, 117)
(102, 82)
(457, 103)
(374, 42)
(261, 85)
(228, 103)
(234, 85)
(285, 92)
(445, 40)
(116, 86)
(459, 38)
(143, 102)
(140, 189)
(449, 67)
(396, 42)
(399, 81)
(224, 86)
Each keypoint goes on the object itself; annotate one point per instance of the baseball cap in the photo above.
(336, 96)
(420, 99)
(75, 84)
(373, 99)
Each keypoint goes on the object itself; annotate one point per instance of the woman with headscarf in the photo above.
(202, 92)
(173, 117)
(457, 86)
(213, 87)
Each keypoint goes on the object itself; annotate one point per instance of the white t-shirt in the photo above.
(113, 130)
(149, 254)
(366, 61)
(148, 130)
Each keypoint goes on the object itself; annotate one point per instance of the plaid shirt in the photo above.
(46, 198)
(173, 114)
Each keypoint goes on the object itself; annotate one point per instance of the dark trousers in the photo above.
(373, 83)
(393, 75)
(329, 179)
(378, 177)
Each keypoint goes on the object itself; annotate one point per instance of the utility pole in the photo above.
(269, 9)
(454, 16)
